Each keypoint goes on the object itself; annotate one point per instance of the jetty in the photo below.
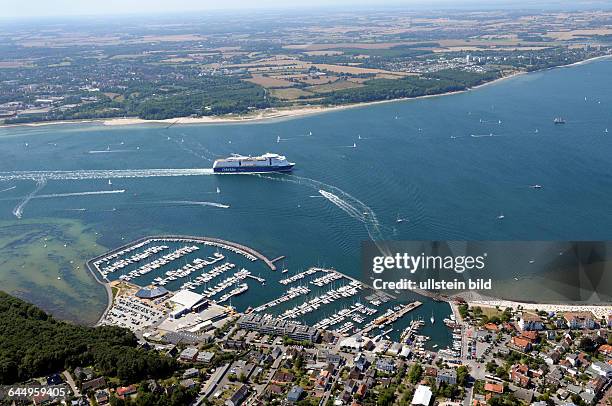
(253, 255)
(392, 317)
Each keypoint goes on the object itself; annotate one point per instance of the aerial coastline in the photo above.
(275, 288)
(275, 114)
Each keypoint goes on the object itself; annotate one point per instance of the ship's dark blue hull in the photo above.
(254, 169)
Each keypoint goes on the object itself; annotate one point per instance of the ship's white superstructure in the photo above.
(264, 163)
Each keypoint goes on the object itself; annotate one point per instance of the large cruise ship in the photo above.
(253, 164)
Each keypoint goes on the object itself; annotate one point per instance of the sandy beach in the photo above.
(274, 113)
(600, 311)
(260, 116)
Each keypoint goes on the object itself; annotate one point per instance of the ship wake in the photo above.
(18, 210)
(348, 203)
(102, 174)
(91, 193)
(344, 206)
(196, 203)
(7, 189)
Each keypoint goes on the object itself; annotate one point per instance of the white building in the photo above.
(422, 396)
(186, 301)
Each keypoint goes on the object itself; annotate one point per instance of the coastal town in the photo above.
(218, 70)
(147, 262)
(498, 355)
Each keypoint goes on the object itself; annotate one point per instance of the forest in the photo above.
(35, 344)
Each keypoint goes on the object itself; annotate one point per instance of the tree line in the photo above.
(36, 344)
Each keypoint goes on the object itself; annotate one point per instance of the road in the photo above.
(70, 381)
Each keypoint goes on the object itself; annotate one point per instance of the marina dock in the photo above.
(92, 264)
(392, 317)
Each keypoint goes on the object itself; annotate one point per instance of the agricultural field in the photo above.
(205, 65)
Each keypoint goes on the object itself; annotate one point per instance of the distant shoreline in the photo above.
(276, 114)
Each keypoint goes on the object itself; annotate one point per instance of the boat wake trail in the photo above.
(352, 206)
(109, 151)
(344, 206)
(95, 192)
(102, 174)
(194, 203)
(18, 210)
(484, 135)
(7, 189)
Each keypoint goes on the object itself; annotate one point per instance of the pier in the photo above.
(93, 263)
(275, 260)
(392, 317)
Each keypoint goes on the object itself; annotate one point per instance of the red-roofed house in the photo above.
(494, 387)
(606, 349)
(518, 375)
(124, 391)
(521, 344)
(531, 336)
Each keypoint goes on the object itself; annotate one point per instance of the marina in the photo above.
(277, 212)
(227, 274)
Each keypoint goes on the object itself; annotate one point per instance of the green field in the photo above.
(35, 253)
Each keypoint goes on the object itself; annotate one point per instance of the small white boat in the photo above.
(284, 271)
(501, 216)
(433, 321)
(109, 182)
(218, 190)
(536, 186)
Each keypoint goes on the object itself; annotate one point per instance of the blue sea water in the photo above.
(449, 165)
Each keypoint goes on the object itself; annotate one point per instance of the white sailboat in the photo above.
(433, 321)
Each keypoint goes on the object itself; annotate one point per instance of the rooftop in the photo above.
(422, 395)
(187, 298)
